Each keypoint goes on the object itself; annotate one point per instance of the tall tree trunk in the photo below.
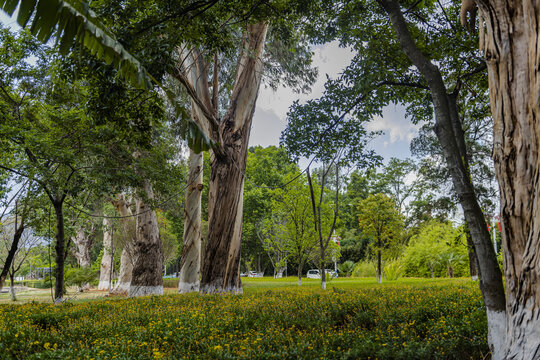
(379, 267)
(147, 271)
(451, 142)
(83, 242)
(127, 258)
(11, 253)
(221, 266)
(511, 44)
(190, 262)
(107, 259)
(59, 248)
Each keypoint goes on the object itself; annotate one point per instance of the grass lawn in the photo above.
(274, 319)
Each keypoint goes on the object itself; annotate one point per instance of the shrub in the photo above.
(79, 276)
(393, 271)
(346, 268)
(364, 269)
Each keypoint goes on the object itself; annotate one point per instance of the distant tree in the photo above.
(379, 218)
(294, 207)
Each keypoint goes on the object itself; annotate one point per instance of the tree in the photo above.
(267, 170)
(509, 43)
(106, 266)
(293, 205)
(380, 219)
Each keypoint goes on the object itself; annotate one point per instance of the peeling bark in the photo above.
(190, 262)
(147, 278)
(510, 41)
(221, 266)
(127, 258)
(107, 259)
(83, 242)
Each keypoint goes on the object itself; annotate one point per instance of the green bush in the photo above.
(79, 276)
(364, 269)
(393, 271)
(346, 268)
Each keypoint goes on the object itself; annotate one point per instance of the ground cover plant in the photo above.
(408, 319)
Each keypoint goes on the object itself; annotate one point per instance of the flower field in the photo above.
(397, 321)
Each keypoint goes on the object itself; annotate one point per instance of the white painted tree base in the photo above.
(121, 288)
(135, 291)
(524, 337)
(103, 285)
(323, 285)
(299, 282)
(184, 287)
(496, 333)
(474, 278)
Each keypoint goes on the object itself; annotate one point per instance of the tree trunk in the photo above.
(83, 242)
(127, 258)
(323, 266)
(299, 273)
(59, 249)
(510, 41)
(11, 254)
(452, 145)
(221, 266)
(107, 259)
(190, 262)
(147, 271)
(379, 265)
(472, 257)
(12, 287)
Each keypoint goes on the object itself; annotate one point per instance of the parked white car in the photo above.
(316, 274)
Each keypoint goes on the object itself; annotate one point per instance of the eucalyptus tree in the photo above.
(230, 135)
(509, 42)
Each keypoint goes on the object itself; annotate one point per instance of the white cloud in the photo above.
(394, 124)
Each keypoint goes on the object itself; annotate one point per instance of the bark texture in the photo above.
(105, 270)
(59, 248)
(509, 38)
(450, 135)
(190, 261)
(147, 278)
(83, 242)
(127, 258)
(221, 265)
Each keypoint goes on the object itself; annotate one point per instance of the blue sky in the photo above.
(330, 59)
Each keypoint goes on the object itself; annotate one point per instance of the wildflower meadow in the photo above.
(271, 320)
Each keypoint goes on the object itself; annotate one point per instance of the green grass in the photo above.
(274, 319)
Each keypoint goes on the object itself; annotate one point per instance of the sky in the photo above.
(271, 111)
